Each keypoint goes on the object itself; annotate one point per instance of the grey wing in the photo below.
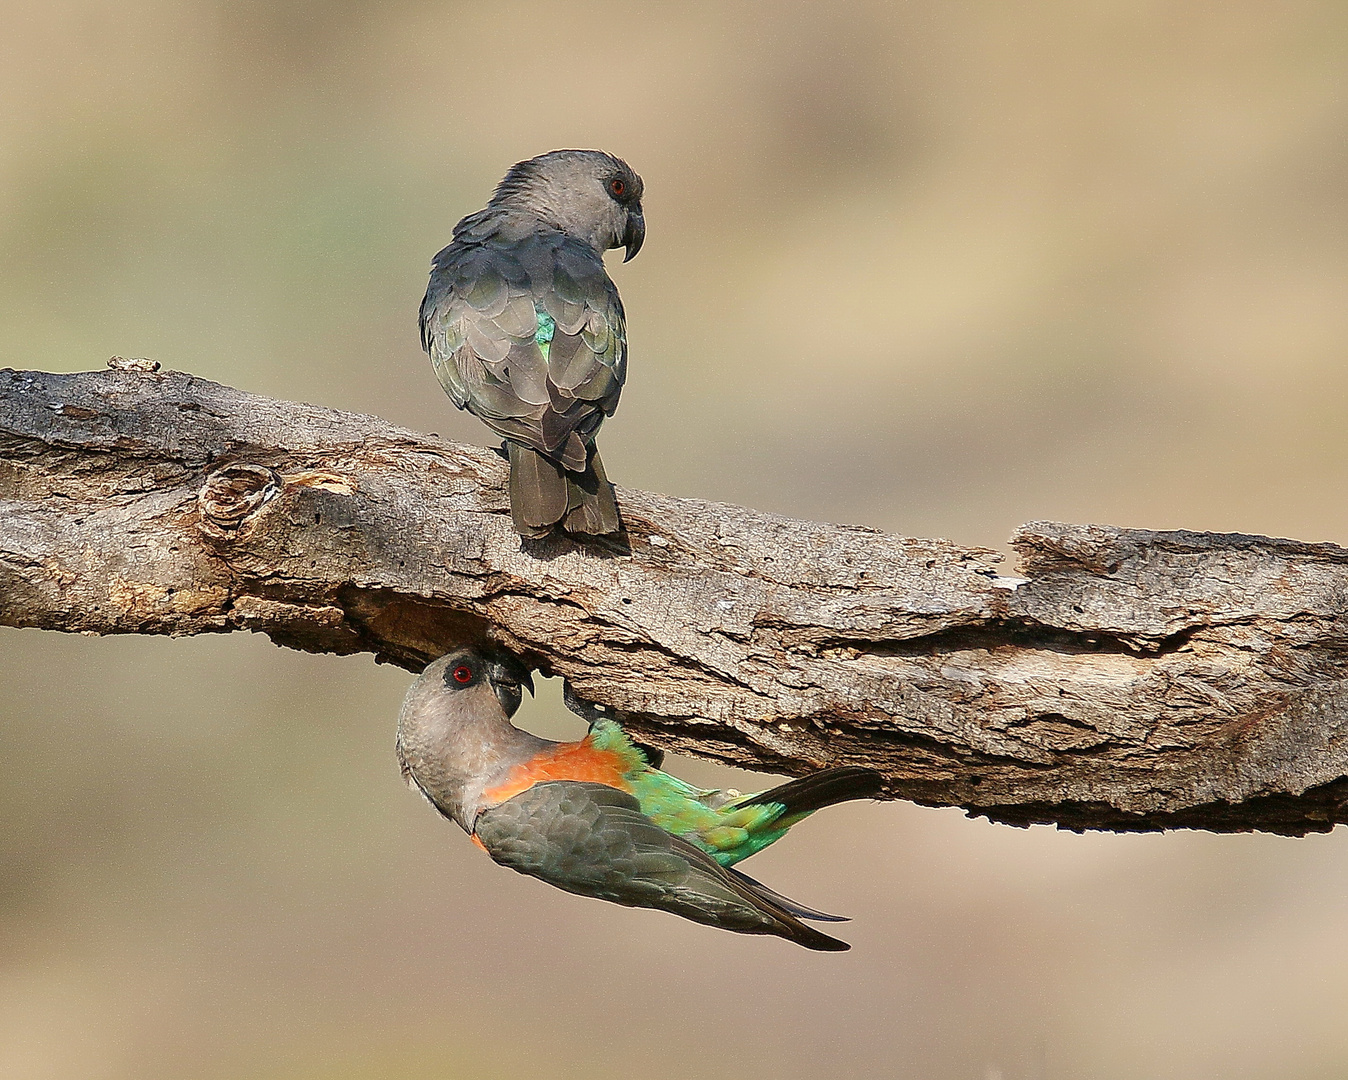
(594, 840)
(528, 334)
(588, 358)
(478, 323)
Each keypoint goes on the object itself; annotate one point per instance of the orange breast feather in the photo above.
(569, 761)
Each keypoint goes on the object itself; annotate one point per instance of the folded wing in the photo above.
(595, 841)
(526, 331)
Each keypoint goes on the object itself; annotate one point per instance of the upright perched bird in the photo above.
(597, 817)
(527, 333)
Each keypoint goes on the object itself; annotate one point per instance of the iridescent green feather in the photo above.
(728, 831)
(544, 334)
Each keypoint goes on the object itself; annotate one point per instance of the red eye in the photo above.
(617, 186)
(463, 674)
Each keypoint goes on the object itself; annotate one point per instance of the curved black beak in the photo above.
(635, 235)
(507, 676)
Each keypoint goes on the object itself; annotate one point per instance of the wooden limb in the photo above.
(1124, 680)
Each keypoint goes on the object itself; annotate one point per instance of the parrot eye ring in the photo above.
(463, 674)
(618, 187)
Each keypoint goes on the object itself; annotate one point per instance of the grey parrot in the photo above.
(597, 816)
(527, 332)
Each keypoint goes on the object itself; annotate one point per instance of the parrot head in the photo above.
(588, 194)
(472, 672)
(456, 717)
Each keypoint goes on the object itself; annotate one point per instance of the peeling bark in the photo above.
(1124, 680)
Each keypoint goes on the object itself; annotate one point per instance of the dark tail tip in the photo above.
(786, 914)
(793, 907)
(824, 788)
(813, 939)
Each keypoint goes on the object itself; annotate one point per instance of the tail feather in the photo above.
(782, 916)
(538, 491)
(799, 910)
(590, 505)
(824, 788)
(544, 495)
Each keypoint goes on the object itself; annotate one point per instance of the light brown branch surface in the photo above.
(1133, 680)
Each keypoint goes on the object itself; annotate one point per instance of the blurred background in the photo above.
(934, 267)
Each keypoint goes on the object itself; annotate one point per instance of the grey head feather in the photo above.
(455, 737)
(587, 194)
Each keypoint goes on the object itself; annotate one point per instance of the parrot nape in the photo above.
(597, 816)
(526, 331)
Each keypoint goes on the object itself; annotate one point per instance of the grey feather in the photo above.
(519, 318)
(591, 507)
(538, 491)
(595, 841)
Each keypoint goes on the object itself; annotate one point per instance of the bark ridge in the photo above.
(1122, 679)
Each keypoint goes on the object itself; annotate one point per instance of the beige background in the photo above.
(935, 267)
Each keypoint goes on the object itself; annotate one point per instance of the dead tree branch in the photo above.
(1134, 680)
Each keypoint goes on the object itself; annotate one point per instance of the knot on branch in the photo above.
(233, 494)
(142, 364)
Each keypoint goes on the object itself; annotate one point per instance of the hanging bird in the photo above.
(597, 816)
(527, 333)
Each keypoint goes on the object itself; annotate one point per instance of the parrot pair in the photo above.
(526, 331)
(597, 816)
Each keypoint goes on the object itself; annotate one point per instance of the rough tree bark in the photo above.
(1126, 680)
